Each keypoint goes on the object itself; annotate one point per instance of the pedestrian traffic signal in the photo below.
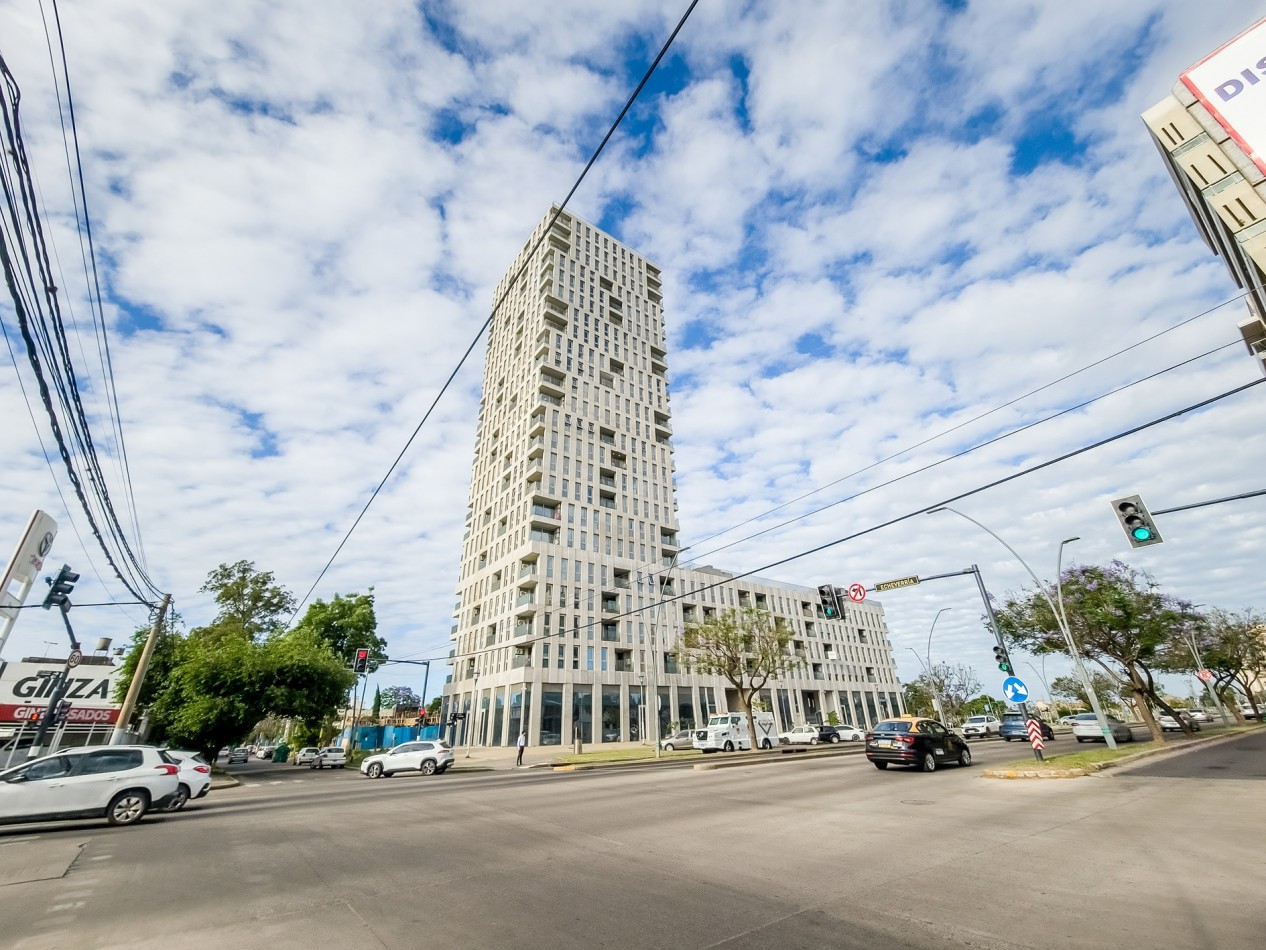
(1001, 658)
(1136, 521)
(59, 589)
(361, 663)
(830, 602)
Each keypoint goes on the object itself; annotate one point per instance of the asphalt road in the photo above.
(802, 852)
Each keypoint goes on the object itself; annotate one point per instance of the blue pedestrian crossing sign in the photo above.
(1014, 690)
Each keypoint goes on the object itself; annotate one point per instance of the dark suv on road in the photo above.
(922, 743)
(1014, 727)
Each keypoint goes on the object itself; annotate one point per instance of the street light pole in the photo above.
(659, 606)
(1108, 737)
(936, 693)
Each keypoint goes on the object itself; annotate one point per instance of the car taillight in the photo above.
(204, 769)
(167, 769)
(907, 740)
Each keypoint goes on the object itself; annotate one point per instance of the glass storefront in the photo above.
(636, 714)
(610, 715)
(685, 708)
(551, 715)
(582, 714)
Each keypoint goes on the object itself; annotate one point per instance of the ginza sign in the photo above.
(25, 688)
(1231, 84)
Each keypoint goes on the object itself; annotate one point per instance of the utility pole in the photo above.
(119, 736)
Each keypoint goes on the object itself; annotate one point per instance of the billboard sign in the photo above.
(23, 568)
(27, 686)
(1231, 84)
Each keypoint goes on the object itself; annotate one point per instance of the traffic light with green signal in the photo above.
(830, 602)
(1136, 521)
(1001, 658)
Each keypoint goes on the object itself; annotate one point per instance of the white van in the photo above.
(726, 732)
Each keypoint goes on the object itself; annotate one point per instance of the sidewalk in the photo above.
(484, 758)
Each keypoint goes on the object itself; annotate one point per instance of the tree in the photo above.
(1233, 647)
(953, 685)
(400, 697)
(249, 600)
(746, 647)
(433, 708)
(347, 624)
(983, 705)
(375, 708)
(1106, 688)
(918, 698)
(166, 654)
(1118, 619)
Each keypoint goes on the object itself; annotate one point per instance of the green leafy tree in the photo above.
(953, 684)
(375, 708)
(1233, 647)
(250, 601)
(400, 697)
(983, 706)
(433, 708)
(1119, 620)
(1108, 690)
(348, 623)
(918, 698)
(744, 646)
(166, 654)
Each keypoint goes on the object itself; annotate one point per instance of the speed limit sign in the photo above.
(857, 593)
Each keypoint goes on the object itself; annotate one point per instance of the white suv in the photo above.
(981, 726)
(331, 757)
(119, 783)
(430, 757)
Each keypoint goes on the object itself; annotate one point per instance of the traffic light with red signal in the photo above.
(361, 663)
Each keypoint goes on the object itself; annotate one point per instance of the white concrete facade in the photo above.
(572, 525)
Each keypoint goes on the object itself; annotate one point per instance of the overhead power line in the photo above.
(500, 299)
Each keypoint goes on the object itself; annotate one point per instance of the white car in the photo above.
(331, 757)
(981, 726)
(1170, 724)
(194, 777)
(800, 735)
(307, 756)
(1200, 715)
(850, 733)
(265, 752)
(1086, 729)
(428, 756)
(1247, 711)
(119, 783)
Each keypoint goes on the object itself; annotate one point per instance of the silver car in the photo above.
(1086, 729)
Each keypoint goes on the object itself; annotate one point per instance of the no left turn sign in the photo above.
(857, 593)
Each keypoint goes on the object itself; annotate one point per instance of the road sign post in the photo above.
(1035, 737)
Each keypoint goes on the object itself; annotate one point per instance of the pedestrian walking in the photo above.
(522, 745)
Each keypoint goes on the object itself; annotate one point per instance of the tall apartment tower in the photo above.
(568, 603)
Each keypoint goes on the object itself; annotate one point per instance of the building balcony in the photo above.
(520, 660)
(609, 633)
(555, 319)
(543, 517)
(536, 447)
(546, 399)
(523, 630)
(623, 666)
(545, 537)
(536, 424)
(611, 606)
(552, 384)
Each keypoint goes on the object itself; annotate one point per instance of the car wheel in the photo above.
(127, 808)
(880, 765)
(729, 746)
(928, 763)
(668, 747)
(835, 738)
(964, 757)
(182, 796)
(374, 770)
(813, 741)
(428, 767)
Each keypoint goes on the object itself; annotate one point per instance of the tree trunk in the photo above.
(1229, 704)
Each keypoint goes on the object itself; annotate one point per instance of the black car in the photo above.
(1014, 726)
(921, 743)
(828, 733)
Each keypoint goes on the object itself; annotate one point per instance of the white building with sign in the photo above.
(1211, 132)
(26, 685)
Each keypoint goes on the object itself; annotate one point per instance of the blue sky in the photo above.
(875, 223)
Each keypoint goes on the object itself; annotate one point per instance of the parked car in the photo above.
(119, 783)
(265, 752)
(1170, 724)
(1247, 711)
(850, 733)
(681, 739)
(238, 757)
(1015, 726)
(921, 743)
(331, 757)
(1086, 729)
(193, 779)
(1067, 720)
(800, 735)
(985, 726)
(430, 757)
(307, 756)
(1200, 715)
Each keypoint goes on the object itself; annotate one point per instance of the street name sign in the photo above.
(897, 584)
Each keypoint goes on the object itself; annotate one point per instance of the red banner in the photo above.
(79, 715)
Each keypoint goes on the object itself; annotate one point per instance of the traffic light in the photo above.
(59, 589)
(830, 603)
(361, 663)
(1136, 521)
(62, 711)
(1001, 658)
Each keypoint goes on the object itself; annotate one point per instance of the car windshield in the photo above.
(975, 718)
(1013, 717)
(894, 726)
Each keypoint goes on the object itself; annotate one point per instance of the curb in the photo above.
(761, 757)
(1119, 764)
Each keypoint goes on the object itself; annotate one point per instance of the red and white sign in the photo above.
(1231, 84)
(857, 593)
(78, 715)
(1205, 675)
(1035, 734)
